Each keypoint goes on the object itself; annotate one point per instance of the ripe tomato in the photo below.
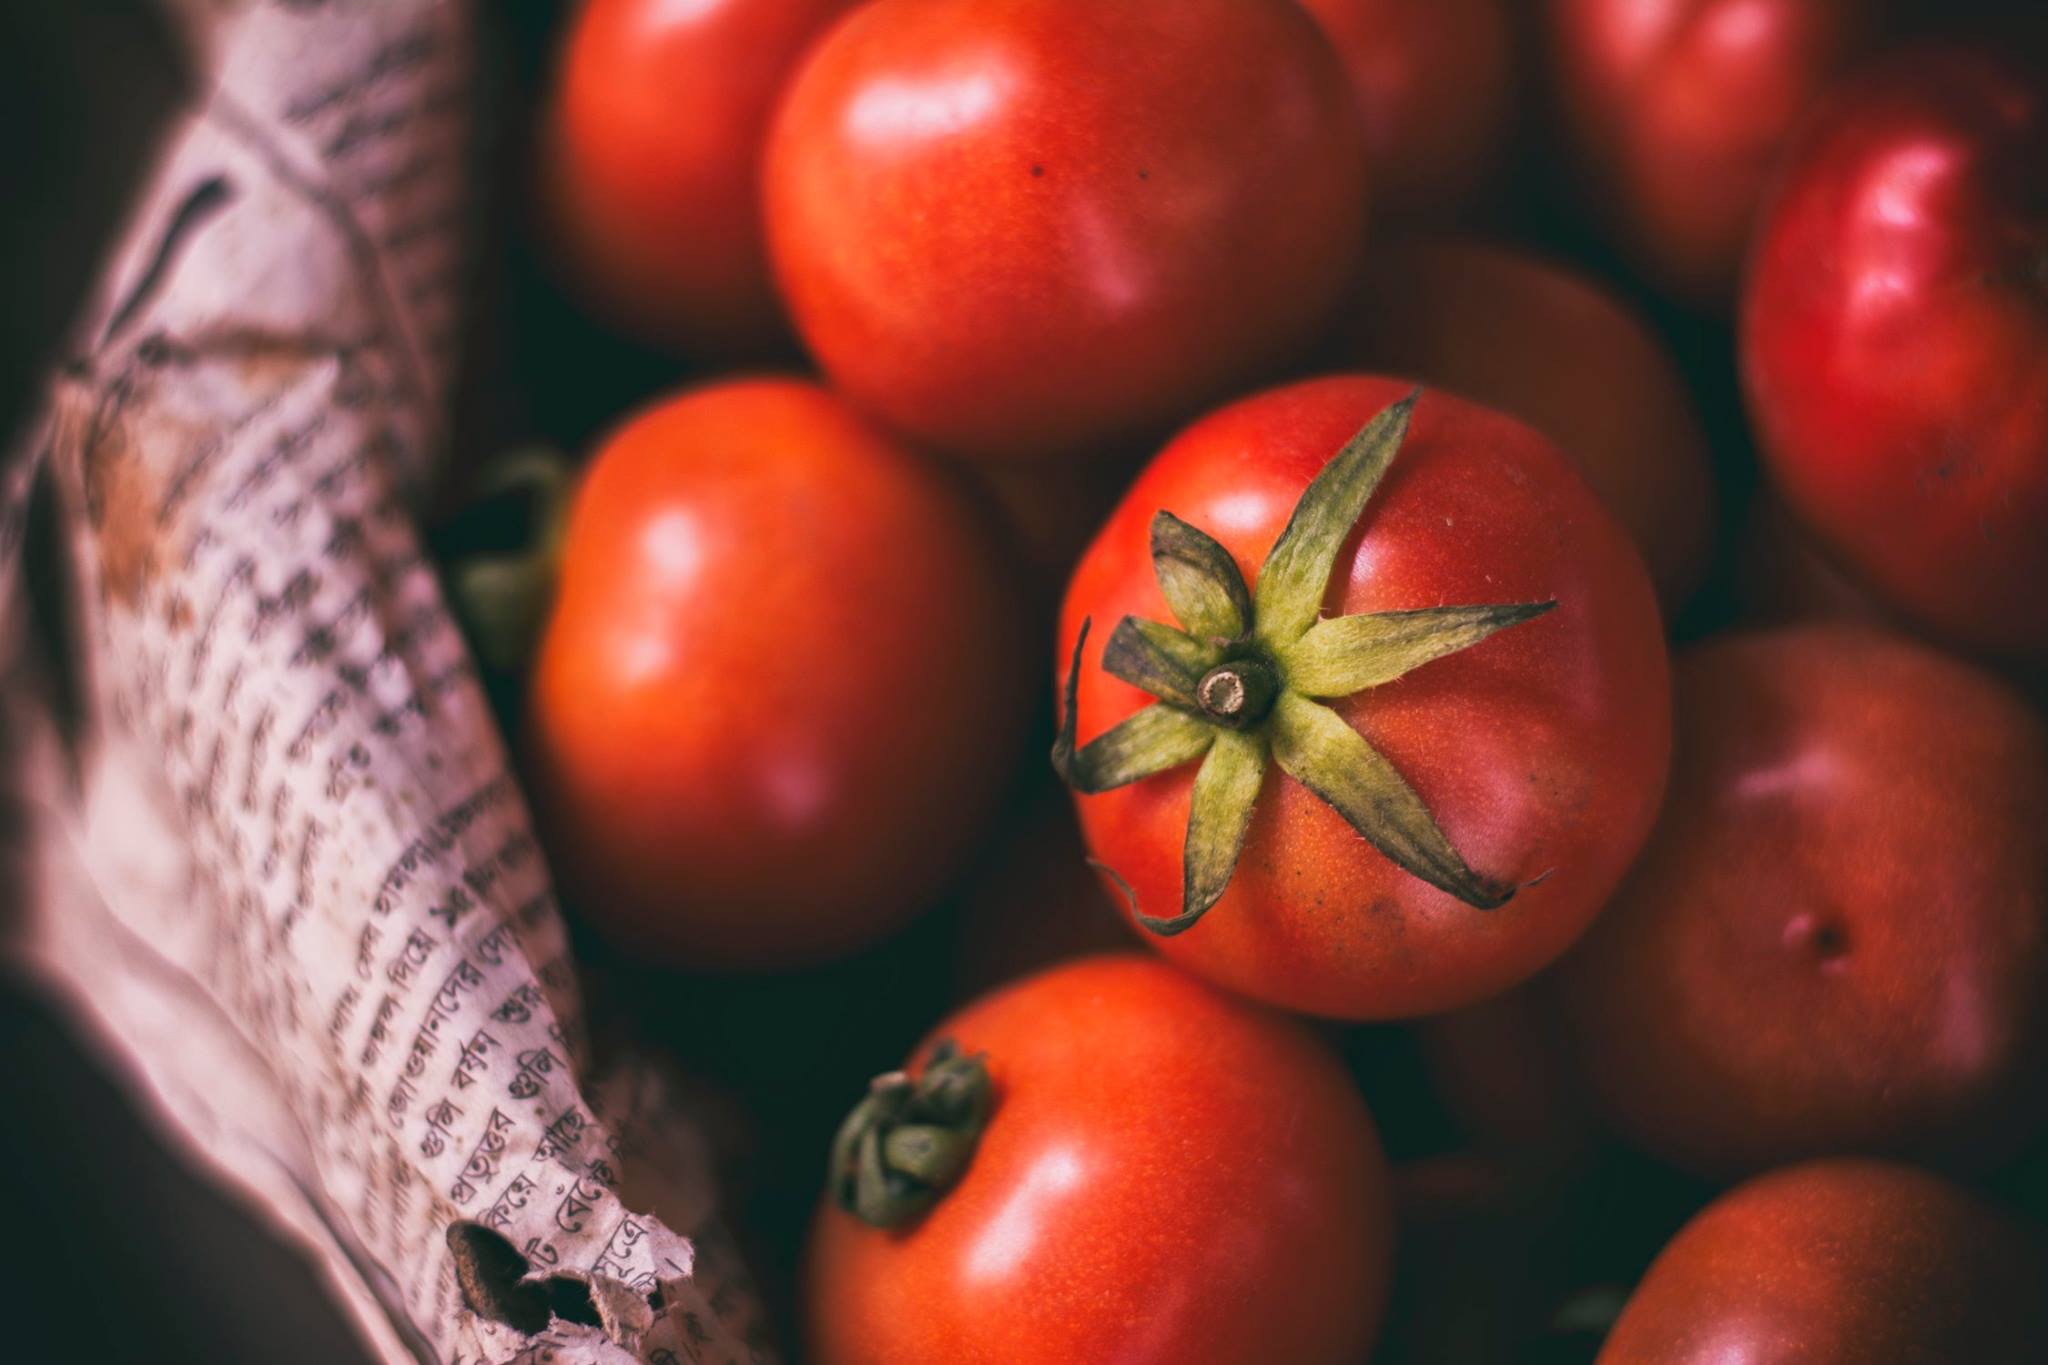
(1026, 227)
(774, 701)
(1895, 342)
(1536, 755)
(1164, 1174)
(1532, 340)
(1837, 940)
(1677, 111)
(1842, 1260)
(1435, 81)
(651, 153)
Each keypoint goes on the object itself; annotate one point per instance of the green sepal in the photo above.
(503, 550)
(909, 1140)
(1163, 661)
(1147, 742)
(1226, 792)
(1199, 580)
(1314, 746)
(1296, 574)
(1345, 654)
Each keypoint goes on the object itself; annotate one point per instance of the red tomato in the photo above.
(1167, 1175)
(777, 694)
(1837, 940)
(1532, 340)
(1540, 752)
(1677, 111)
(1026, 227)
(1436, 82)
(1895, 342)
(1850, 1261)
(652, 149)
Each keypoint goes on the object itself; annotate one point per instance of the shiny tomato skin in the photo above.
(1837, 940)
(1436, 83)
(1895, 342)
(1843, 1262)
(1677, 110)
(651, 152)
(1541, 752)
(1533, 340)
(777, 693)
(1168, 1176)
(1025, 228)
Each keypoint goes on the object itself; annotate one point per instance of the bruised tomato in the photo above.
(1677, 111)
(1108, 1161)
(651, 151)
(1535, 341)
(1837, 940)
(778, 690)
(1895, 342)
(1436, 83)
(1431, 718)
(1024, 228)
(1857, 1262)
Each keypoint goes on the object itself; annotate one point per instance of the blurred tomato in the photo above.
(1895, 342)
(1676, 111)
(1165, 1175)
(1857, 1262)
(1837, 939)
(1535, 341)
(1025, 228)
(1436, 83)
(1538, 752)
(652, 148)
(780, 688)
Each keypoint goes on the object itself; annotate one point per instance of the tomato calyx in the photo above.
(503, 549)
(908, 1140)
(1243, 680)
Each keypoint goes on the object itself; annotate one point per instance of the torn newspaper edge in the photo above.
(294, 891)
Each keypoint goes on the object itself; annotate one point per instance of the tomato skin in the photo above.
(1025, 228)
(1838, 1261)
(1677, 110)
(1895, 342)
(1837, 940)
(1541, 752)
(1435, 81)
(777, 694)
(651, 155)
(1136, 1196)
(1530, 339)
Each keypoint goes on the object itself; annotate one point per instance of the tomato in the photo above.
(1677, 110)
(1435, 81)
(1164, 1174)
(1847, 1260)
(1526, 762)
(1837, 940)
(1533, 340)
(1028, 227)
(775, 698)
(1895, 342)
(651, 151)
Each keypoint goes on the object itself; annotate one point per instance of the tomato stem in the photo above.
(1238, 694)
(909, 1140)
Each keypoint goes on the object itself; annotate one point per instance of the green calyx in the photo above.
(909, 1140)
(1241, 683)
(503, 549)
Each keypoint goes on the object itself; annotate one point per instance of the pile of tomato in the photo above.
(1396, 648)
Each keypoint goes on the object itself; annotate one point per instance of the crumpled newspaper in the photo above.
(284, 875)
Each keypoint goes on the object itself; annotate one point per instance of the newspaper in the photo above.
(282, 871)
